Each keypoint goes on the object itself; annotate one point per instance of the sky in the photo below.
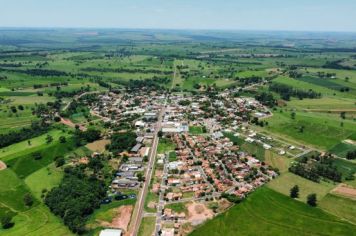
(291, 15)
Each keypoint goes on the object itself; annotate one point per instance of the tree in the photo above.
(140, 177)
(6, 222)
(37, 156)
(59, 161)
(49, 139)
(343, 115)
(294, 191)
(95, 164)
(292, 115)
(311, 199)
(62, 139)
(28, 200)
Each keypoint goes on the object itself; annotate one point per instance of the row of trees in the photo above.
(313, 168)
(351, 155)
(287, 92)
(127, 70)
(36, 129)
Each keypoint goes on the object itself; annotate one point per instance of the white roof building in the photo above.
(111, 232)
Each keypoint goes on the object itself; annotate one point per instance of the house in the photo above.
(150, 115)
(267, 146)
(144, 151)
(168, 232)
(140, 124)
(124, 183)
(174, 165)
(140, 139)
(136, 147)
(110, 232)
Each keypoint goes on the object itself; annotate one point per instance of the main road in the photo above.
(138, 213)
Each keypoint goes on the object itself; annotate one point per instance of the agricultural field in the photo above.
(269, 219)
(49, 131)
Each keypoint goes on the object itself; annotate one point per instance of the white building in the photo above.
(111, 232)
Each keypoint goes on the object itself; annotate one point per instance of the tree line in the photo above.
(313, 168)
(287, 92)
(36, 129)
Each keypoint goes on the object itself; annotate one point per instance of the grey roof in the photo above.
(136, 147)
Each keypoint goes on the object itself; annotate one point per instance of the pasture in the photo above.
(274, 214)
(318, 130)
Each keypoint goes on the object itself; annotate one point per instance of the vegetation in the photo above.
(79, 196)
(281, 214)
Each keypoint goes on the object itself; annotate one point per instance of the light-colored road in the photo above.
(77, 97)
(138, 214)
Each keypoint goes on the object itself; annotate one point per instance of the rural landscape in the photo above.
(177, 133)
(177, 119)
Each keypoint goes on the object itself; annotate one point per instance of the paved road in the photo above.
(137, 217)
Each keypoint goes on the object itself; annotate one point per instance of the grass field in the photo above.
(277, 161)
(319, 131)
(196, 130)
(165, 145)
(286, 181)
(177, 207)
(344, 208)
(36, 222)
(266, 212)
(25, 165)
(147, 226)
(44, 178)
(342, 149)
(23, 148)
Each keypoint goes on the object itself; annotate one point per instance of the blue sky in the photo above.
(306, 15)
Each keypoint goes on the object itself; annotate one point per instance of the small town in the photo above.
(178, 118)
(202, 173)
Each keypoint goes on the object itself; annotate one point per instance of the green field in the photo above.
(344, 208)
(147, 226)
(287, 180)
(45, 178)
(165, 145)
(266, 212)
(196, 130)
(319, 131)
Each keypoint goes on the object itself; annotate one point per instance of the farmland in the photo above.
(55, 88)
(269, 219)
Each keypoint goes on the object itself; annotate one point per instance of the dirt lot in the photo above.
(198, 213)
(345, 191)
(69, 123)
(2, 166)
(98, 146)
(122, 218)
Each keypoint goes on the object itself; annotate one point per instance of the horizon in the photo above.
(274, 15)
(19, 28)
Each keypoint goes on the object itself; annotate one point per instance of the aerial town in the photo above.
(205, 167)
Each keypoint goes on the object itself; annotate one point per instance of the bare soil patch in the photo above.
(345, 191)
(198, 213)
(122, 218)
(2, 166)
(98, 146)
(70, 123)
(151, 205)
